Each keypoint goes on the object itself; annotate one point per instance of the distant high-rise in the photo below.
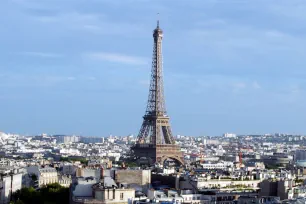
(155, 139)
(92, 140)
(300, 155)
(231, 135)
(67, 139)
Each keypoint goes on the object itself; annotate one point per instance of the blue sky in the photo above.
(83, 66)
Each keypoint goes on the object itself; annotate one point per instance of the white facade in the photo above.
(202, 182)
(229, 135)
(45, 175)
(83, 188)
(195, 198)
(116, 155)
(220, 165)
(70, 151)
(23, 150)
(89, 172)
(118, 195)
(65, 181)
(9, 184)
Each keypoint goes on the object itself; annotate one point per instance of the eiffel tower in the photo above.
(155, 140)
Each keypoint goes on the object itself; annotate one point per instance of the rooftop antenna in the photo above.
(157, 20)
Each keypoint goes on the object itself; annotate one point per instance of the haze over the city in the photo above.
(74, 67)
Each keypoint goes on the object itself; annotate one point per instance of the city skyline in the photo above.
(73, 68)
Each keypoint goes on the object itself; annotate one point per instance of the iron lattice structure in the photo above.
(155, 129)
(155, 142)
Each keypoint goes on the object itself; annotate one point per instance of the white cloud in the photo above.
(41, 54)
(255, 85)
(27, 4)
(54, 79)
(275, 34)
(144, 82)
(291, 9)
(234, 40)
(72, 17)
(20, 80)
(95, 23)
(215, 83)
(91, 78)
(239, 85)
(117, 58)
(71, 78)
(239, 36)
(295, 89)
(211, 22)
(93, 28)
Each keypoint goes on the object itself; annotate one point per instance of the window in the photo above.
(121, 196)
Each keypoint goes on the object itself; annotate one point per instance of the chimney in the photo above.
(102, 173)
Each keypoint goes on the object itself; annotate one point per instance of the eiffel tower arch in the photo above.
(155, 141)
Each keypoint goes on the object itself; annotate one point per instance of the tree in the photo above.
(55, 193)
(17, 202)
(27, 195)
(51, 193)
(67, 159)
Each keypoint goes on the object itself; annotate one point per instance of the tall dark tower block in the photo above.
(155, 140)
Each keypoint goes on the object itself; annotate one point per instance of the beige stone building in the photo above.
(113, 195)
(89, 191)
(45, 175)
(138, 179)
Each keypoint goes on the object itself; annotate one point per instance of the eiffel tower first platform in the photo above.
(155, 142)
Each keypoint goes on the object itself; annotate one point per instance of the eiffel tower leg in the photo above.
(144, 132)
(167, 135)
(153, 132)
